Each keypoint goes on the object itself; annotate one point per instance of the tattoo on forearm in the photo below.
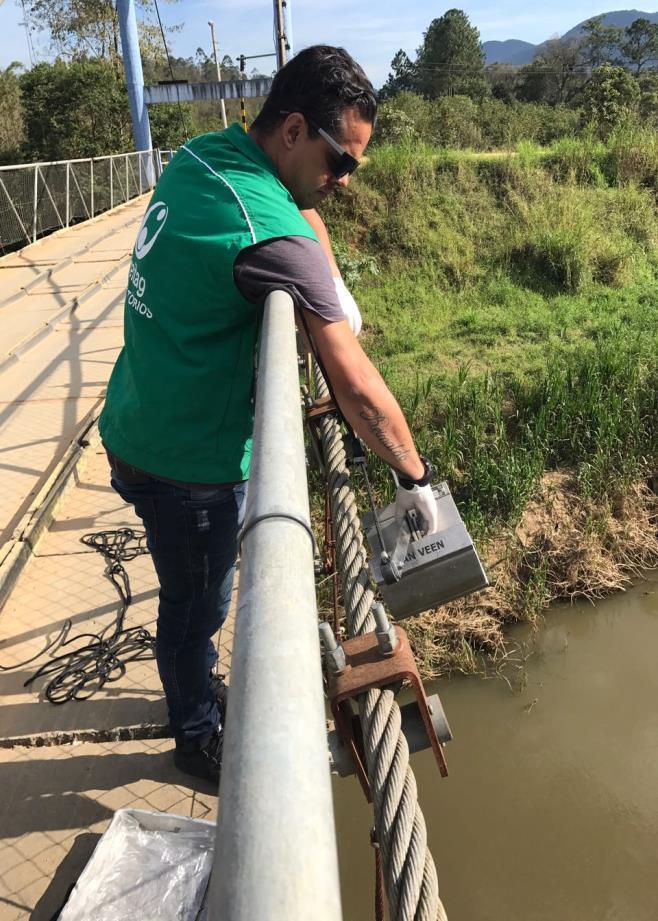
(377, 422)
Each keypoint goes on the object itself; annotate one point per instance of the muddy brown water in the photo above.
(550, 812)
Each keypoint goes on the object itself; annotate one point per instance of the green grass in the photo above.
(511, 302)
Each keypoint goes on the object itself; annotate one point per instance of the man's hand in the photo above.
(421, 500)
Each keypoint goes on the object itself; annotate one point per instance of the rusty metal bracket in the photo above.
(319, 408)
(367, 667)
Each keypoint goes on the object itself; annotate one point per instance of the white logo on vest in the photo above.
(144, 243)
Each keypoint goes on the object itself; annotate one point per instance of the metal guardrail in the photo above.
(166, 156)
(275, 855)
(37, 198)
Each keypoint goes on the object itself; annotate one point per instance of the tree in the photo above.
(75, 110)
(451, 60)
(89, 29)
(502, 81)
(78, 28)
(640, 44)
(171, 125)
(205, 66)
(402, 78)
(599, 43)
(533, 82)
(611, 95)
(562, 60)
(648, 82)
(11, 114)
(554, 76)
(230, 71)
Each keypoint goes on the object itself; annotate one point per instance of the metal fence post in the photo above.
(68, 193)
(139, 170)
(35, 203)
(127, 195)
(111, 183)
(91, 172)
(275, 854)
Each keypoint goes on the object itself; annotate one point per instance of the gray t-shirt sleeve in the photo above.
(294, 264)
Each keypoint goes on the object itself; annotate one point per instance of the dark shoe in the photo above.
(220, 689)
(201, 760)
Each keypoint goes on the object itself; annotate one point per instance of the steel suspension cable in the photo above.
(409, 871)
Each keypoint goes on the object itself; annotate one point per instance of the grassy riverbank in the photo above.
(511, 302)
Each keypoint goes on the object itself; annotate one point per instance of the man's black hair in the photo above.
(320, 82)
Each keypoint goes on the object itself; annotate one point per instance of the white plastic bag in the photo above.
(151, 866)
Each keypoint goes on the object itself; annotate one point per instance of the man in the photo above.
(224, 228)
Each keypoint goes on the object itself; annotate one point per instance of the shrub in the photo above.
(577, 159)
(567, 236)
(406, 117)
(610, 96)
(632, 155)
(460, 122)
(457, 123)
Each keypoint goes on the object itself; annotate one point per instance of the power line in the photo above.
(30, 47)
(171, 71)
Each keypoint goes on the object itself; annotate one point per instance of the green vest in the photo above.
(180, 399)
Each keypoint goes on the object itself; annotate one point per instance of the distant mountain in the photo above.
(514, 51)
(622, 19)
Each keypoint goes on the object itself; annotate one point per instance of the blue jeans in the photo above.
(192, 536)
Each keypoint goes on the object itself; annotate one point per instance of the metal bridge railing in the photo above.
(275, 855)
(166, 156)
(37, 198)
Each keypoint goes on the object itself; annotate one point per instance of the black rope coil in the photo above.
(78, 674)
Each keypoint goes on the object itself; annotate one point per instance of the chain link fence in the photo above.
(37, 198)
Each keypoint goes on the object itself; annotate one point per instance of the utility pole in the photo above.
(243, 76)
(280, 34)
(242, 63)
(287, 19)
(218, 68)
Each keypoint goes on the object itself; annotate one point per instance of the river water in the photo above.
(550, 812)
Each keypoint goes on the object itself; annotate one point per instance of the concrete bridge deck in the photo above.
(65, 769)
(61, 308)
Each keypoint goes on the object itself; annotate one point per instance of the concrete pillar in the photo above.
(132, 63)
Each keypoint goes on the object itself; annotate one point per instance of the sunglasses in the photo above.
(346, 163)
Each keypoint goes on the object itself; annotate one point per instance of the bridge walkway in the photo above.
(65, 769)
(57, 799)
(61, 304)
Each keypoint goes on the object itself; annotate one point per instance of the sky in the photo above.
(371, 30)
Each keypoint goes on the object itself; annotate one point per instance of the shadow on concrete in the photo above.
(54, 898)
(52, 629)
(73, 354)
(53, 795)
(100, 713)
(51, 812)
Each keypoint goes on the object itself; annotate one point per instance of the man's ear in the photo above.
(293, 129)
